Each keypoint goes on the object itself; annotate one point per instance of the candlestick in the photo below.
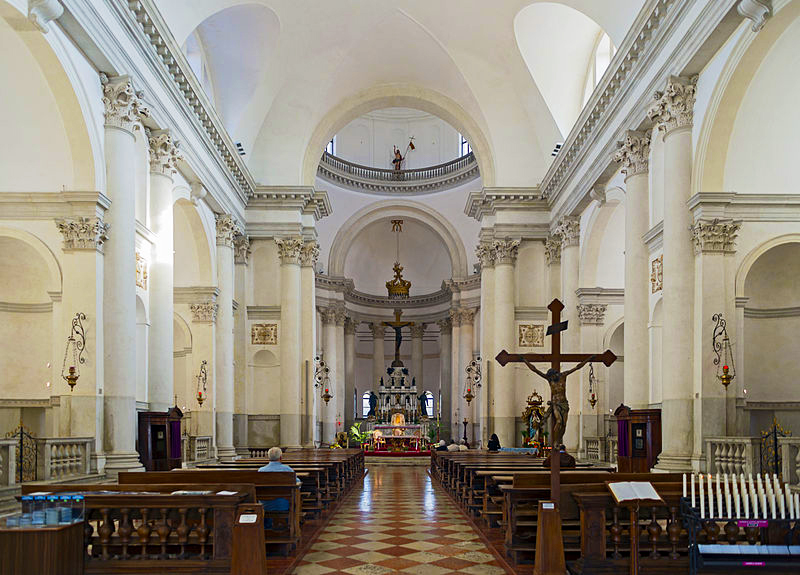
(710, 497)
(692, 481)
(702, 499)
(684, 485)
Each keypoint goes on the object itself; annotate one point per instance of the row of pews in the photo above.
(501, 493)
(211, 519)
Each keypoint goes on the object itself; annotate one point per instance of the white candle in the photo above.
(736, 501)
(796, 498)
(692, 481)
(719, 498)
(782, 504)
(789, 502)
(684, 485)
(759, 485)
(728, 503)
(710, 497)
(746, 500)
(772, 505)
(744, 485)
(702, 499)
(763, 497)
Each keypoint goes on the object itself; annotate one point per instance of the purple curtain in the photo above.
(623, 441)
(175, 439)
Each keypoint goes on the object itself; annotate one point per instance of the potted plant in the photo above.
(360, 437)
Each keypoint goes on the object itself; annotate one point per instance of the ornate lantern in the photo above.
(474, 378)
(398, 287)
(592, 386)
(76, 341)
(202, 382)
(322, 379)
(721, 345)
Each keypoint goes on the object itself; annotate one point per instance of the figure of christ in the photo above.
(558, 406)
(397, 326)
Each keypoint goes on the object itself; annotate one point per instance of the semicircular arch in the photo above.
(394, 209)
(751, 258)
(41, 248)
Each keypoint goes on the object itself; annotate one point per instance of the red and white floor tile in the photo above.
(399, 522)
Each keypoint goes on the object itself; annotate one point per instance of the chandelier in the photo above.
(398, 287)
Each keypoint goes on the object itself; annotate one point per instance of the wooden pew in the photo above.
(143, 528)
(268, 487)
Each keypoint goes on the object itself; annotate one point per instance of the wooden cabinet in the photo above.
(40, 550)
(638, 439)
(159, 444)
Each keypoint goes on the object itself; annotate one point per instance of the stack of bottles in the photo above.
(47, 510)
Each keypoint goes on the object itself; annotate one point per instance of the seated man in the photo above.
(279, 504)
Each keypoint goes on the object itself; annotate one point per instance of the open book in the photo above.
(633, 491)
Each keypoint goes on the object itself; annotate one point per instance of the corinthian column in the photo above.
(634, 154)
(123, 112)
(486, 257)
(570, 232)
(378, 331)
(291, 341)
(332, 323)
(552, 254)
(308, 259)
(163, 156)
(505, 252)
(466, 344)
(673, 112)
(417, 356)
(241, 255)
(445, 352)
(223, 337)
(352, 409)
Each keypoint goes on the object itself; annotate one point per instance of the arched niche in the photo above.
(771, 324)
(142, 332)
(397, 209)
(44, 117)
(746, 120)
(265, 396)
(182, 360)
(656, 322)
(398, 96)
(615, 341)
(26, 317)
(194, 264)
(603, 245)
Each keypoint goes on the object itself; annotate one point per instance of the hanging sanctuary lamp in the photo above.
(592, 386)
(322, 379)
(202, 382)
(76, 341)
(473, 381)
(721, 344)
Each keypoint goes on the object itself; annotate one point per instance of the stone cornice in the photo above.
(634, 153)
(305, 199)
(194, 294)
(746, 207)
(351, 295)
(667, 37)
(470, 283)
(489, 201)
(654, 237)
(715, 236)
(674, 107)
(769, 313)
(256, 312)
(12, 307)
(598, 295)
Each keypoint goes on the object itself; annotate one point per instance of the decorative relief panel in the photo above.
(264, 334)
(657, 274)
(531, 335)
(141, 271)
(204, 312)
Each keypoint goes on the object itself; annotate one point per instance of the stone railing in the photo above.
(790, 459)
(258, 451)
(600, 449)
(732, 455)
(430, 179)
(197, 447)
(63, 457)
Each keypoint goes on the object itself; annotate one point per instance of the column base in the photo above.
(118, 462)
(226, 452)
(290, 430)
(674, 463)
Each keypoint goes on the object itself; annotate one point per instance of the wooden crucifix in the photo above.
(559, 407)
(397, 326)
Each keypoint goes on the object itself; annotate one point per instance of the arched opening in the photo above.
(193, 257)
(263, 425)
(615, 373)
(365, 404)
(771, 322)
(430, 405)
(656, 322)
(142, 328)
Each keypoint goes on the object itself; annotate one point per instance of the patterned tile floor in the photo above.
(399, 522)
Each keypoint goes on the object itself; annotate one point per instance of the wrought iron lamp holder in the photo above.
(723, 349)
(77, 341)
(592, 386)
(474, 379)
(322, 379)
(202, 382)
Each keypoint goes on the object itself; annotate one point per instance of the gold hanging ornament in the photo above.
(721, 345)
(398, 287)
(202, 382)
(77, 341)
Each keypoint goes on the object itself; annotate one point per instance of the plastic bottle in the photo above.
(26, 519)
(65, 512)
(37, 515)
(77, 509)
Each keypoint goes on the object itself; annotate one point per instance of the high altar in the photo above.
(398, 409)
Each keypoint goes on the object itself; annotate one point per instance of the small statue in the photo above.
(373, 404)
(423, 404)
(398, 158)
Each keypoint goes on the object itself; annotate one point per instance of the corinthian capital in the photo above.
(634, 152)
(418, 330)
(226, 230)
(445, 325)
(124, 108)
(241, 249)
(83, 233)
(333, 314)
(309, 254)
(350, 326)
(715, 236)
(204, 312)
(378, 330)
(289, 249)
(552, 249)
(505, 251)
(164, 153)
(485, 254)
(569, 230)
(674, 107)
(591, 313)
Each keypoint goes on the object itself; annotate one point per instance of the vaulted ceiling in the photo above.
(287, 74)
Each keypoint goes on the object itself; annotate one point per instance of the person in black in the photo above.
(494, 443)
(441, 446)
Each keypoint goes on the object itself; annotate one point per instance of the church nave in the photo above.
(398, 522)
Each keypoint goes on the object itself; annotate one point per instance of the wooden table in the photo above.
(39, 550)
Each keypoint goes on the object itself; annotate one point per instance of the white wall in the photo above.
(368, 140)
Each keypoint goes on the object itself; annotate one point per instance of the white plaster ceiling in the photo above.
(330, 59)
